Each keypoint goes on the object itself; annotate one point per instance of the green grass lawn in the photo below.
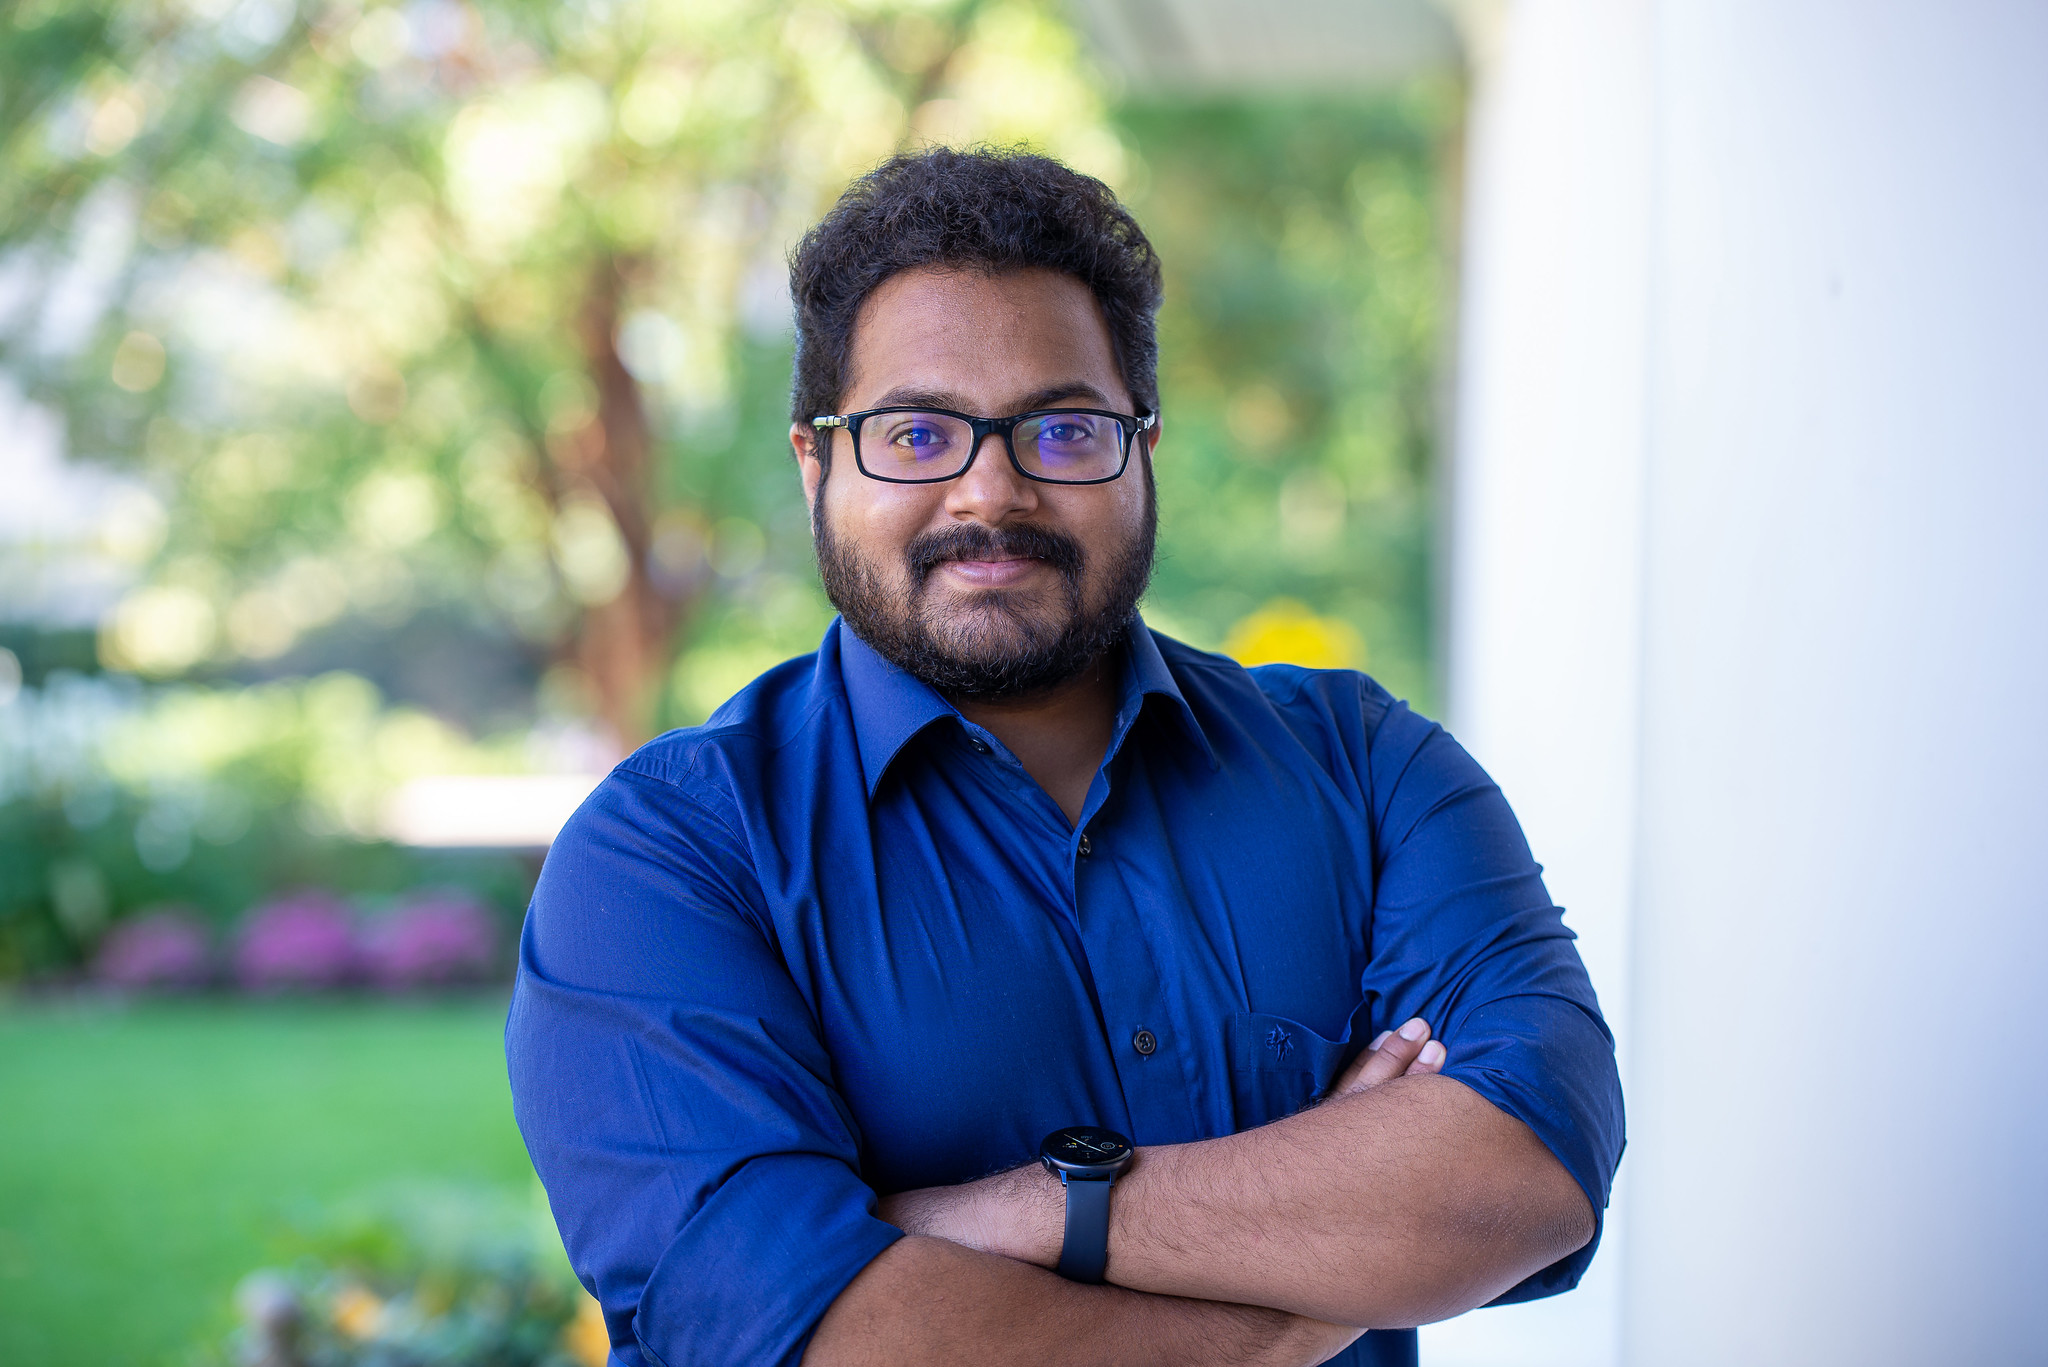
(150, 1155)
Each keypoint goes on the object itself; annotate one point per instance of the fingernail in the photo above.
(1377, 1041)
(1432, 1053)
(1415, 1029)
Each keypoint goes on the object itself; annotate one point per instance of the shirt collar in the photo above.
(1147, 675)
(889, 706)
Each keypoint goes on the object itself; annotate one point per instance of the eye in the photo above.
(1066, 431)
(919, 436)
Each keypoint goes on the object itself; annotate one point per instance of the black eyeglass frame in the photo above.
(1130, 424)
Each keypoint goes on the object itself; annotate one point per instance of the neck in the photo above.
(1061, 734)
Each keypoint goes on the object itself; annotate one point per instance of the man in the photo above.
(804, 990)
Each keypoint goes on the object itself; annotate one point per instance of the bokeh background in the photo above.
(391, 408)
(392, 400)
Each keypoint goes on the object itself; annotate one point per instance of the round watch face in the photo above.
(1083, 1148)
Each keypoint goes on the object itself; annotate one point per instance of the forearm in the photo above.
(1399, 1204)
(1406, 1203)
(927, 1300)
(1404, 1198)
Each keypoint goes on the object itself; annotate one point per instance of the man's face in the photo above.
(990, 585)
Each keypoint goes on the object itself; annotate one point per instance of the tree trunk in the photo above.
(622, 646)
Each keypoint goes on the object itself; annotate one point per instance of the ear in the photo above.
(806, 440)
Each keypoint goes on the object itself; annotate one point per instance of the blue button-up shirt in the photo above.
(837, 942)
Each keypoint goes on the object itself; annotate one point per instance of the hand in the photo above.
(1407, 1052)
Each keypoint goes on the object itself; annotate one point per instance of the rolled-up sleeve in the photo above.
(673, 1092)
(1465, 936)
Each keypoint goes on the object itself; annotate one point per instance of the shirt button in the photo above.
(1145, 1042)
(1087, 848)
(980, 745)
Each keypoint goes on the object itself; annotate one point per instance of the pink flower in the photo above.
(167, 948)
(437, 938)
(303, 940)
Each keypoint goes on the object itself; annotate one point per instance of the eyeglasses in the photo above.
(932, 445)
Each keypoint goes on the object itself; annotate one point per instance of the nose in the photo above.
(991, 491)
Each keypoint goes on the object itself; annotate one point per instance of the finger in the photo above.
(1353, 1075)
(1429, 1060)
(1387, 1058)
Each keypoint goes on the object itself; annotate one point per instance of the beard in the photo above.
(994, 645)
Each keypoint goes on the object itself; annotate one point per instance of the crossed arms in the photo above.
(680, 1101)
(1403, 1198)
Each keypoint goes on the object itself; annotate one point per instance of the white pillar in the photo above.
(1545, 616)
(1752, 505)
(1840, 1021)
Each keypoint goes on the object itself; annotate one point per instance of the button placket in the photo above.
(1156, 1081)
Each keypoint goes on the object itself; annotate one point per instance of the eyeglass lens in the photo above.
(1062, 447)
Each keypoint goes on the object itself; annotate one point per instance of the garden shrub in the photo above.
(163, 949)
(433, 939)
(306, 940)
(117, 799)
(419, 1276)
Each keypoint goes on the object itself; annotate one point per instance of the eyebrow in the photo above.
(1066, 391)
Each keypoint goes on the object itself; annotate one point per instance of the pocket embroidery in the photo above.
(1280, 1042)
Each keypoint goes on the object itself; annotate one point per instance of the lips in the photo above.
(991, 559)
(992, 571)
(988, 555)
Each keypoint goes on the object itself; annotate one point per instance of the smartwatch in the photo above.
(1087, 1161)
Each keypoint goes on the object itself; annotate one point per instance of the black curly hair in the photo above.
(993, 209)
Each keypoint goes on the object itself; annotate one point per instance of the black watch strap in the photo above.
(1084, 1254)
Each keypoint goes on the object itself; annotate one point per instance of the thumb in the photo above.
(1394, 1053)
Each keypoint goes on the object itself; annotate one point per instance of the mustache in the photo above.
(972, 541)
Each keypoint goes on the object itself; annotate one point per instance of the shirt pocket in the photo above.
(1278, 1066)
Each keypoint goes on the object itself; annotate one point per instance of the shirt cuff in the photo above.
(748, 1278)
(1550, 1064)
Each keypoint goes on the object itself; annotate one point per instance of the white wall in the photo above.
(1750, 618)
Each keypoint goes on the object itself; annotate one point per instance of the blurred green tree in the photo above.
(457, 304)
(473, 312)
(1305, 242)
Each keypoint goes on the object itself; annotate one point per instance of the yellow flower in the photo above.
(357, 1313)
(1287, 632)
(586, 1339)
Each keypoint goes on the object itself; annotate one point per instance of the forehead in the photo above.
(982, 336)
